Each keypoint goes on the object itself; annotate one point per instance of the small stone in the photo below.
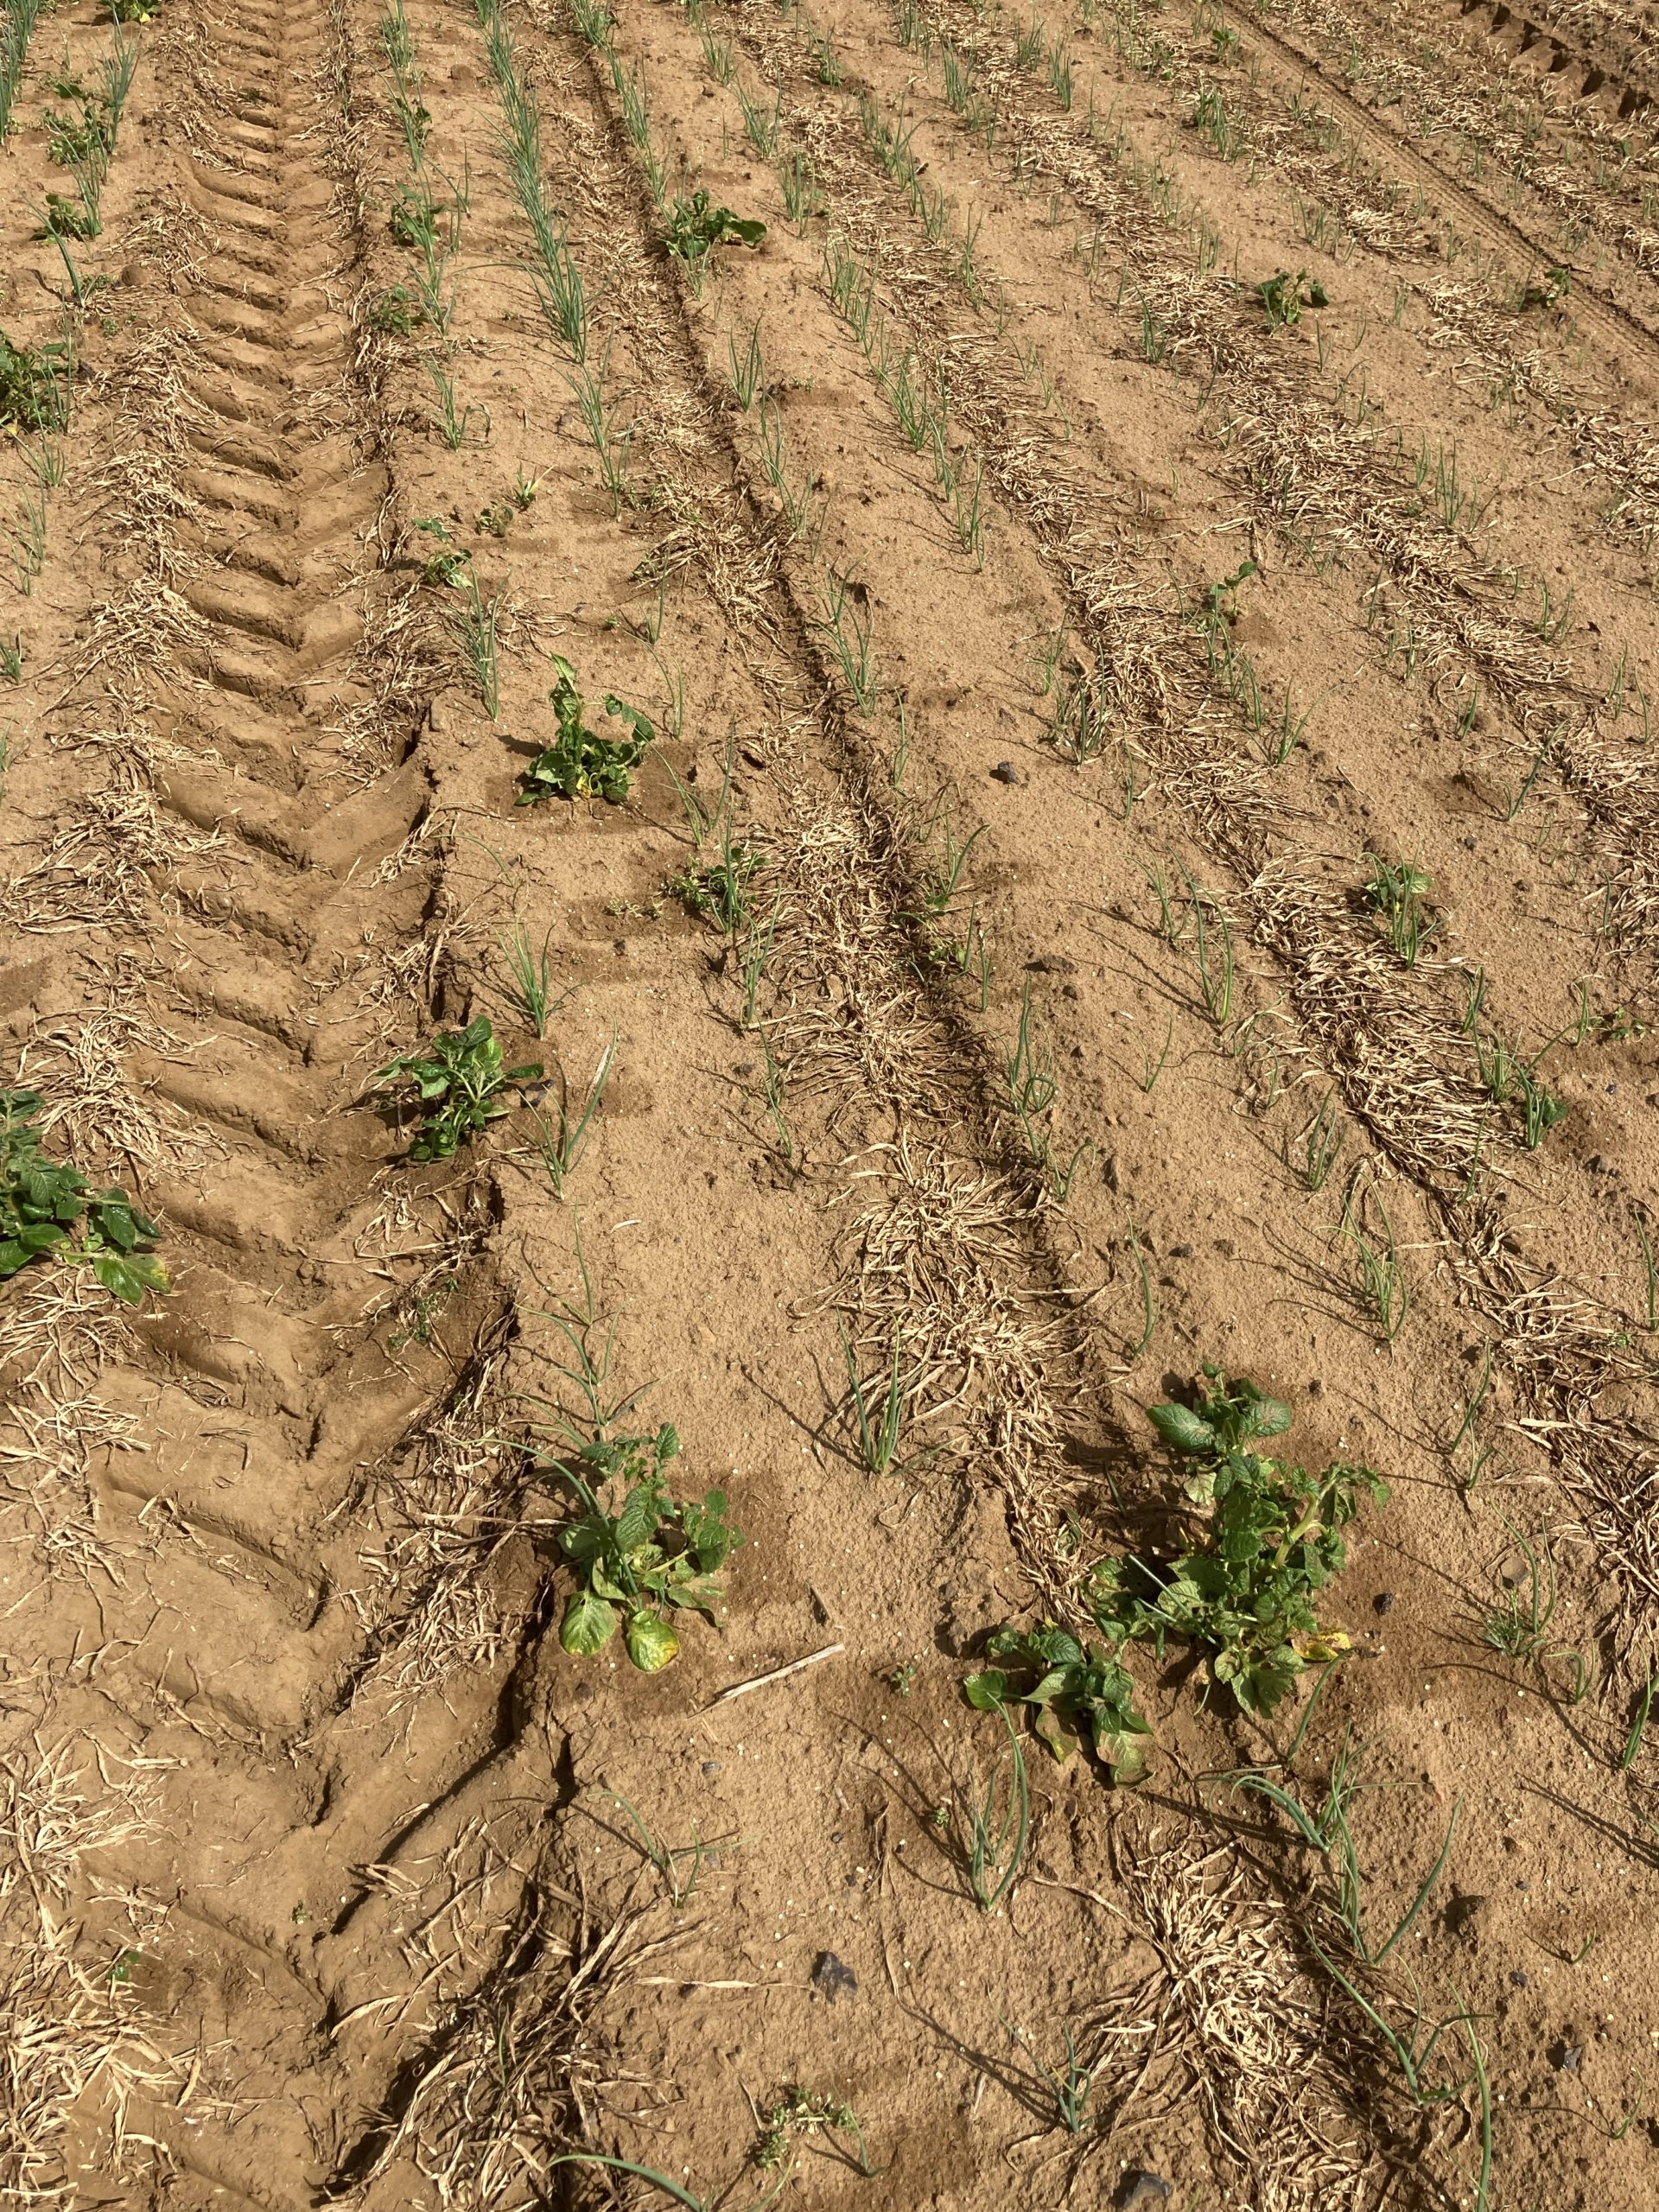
(1006, 772)
(1180, 1251)
(1519, 1980)
(711, 1766)
(1140, 2191)
(830, 1977)
(1567, 2057)
(1383, 1602)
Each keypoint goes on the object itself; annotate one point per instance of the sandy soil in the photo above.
(1053, 642)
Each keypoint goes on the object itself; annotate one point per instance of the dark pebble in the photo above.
(1567, 2057)
(1518, 1980)
(1383, 1602)
(711, 1766)
(1180, 1251)
(830, 1977)
(1139, 2191)
(1006, 772)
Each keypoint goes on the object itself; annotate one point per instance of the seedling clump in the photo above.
(48, 1210)
(458, 1081)
(1245, 1594)
(797, 2114)
(720, 894)
(695, 228)
(30, 397)
(642, 1557)
(1284, 296)
(579, 764)
(1079, 1692)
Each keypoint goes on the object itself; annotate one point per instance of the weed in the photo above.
(395, 312)
(745, 368)
(455, 428)
(878, 1423)
(1070, 2085)
(1519, 1625)
(1382, 1287)
(1284, 296)
(989, 1831)
(1541, 1111)
(67, 218)
(579, 764)
(665, 1856)
(720, 894)
(1651, 1270)
(32, 381)
(1080, 1695)
(797, 2113)
(1639, 1723)
(476, 632)
(459, 1083)
(1216, 973)
(561, 1145)
(1321, 1143)
(532, 976)
(850, 623)
(638, 1556)
(696, 227)
(1396, 890)
(1246, 1594)
(1149, 1314)
(48, 1210)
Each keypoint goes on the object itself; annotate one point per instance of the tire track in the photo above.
(220, 1660)
(1616, 327)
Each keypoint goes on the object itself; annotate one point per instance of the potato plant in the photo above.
(49, 1211)
(1245, 1592)
(1080, 1695)
(580, 764)
(459, 1083)
(696, 227)
(638, 1556)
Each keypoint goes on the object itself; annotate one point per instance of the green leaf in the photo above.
(128, 1278)
(1267, 1416)
(987, 1691)
(589, 1623)
(652, 1642)
(1119, 1749)
(637, 1520)
(709, 1534)
(1182, 1429)
(1061, 1738)
(604, 1585)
